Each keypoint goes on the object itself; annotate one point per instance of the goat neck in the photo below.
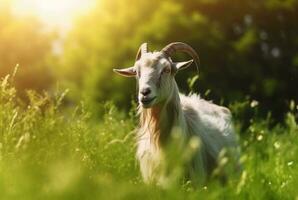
(160, 119)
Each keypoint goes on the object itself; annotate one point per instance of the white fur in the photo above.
(189, 116)
(196, 117)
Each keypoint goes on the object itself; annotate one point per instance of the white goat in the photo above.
(162, 109)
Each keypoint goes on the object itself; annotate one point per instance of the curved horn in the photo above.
(174, 47)
(143, 49)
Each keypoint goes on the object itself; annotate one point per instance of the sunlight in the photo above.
(53, 12)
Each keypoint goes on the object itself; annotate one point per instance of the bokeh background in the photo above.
(67, 123)
(248, 48)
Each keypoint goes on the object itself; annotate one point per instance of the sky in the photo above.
(54, 13)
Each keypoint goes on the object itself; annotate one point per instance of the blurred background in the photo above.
(248, 48)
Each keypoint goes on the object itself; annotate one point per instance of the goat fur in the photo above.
(194, 117)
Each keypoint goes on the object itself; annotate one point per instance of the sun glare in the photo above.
(53, 12)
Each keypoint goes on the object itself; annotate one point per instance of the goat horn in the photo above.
(143, 49)
(174, 47)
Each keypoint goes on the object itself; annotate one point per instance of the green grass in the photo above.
(50, 152)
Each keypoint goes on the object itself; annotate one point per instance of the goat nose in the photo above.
(145, 91)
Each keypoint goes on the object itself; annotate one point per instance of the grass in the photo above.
(49, 152)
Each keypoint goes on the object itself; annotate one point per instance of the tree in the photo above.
(23, 41)
(247, 48)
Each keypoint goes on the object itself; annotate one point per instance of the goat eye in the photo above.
(166, 70)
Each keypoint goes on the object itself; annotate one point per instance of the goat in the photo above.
(162, 109)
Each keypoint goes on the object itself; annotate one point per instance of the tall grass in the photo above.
(49, 152)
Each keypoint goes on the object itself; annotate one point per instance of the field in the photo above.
(48, 151)
(68, 122)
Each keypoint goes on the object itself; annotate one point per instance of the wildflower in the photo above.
(254, 103)
(194, 143)
(290, 163)
(260, 137)
(277, 145)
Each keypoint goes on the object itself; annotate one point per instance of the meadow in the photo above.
(67, 123)
(49, 150)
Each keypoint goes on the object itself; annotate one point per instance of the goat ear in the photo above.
(182, 65)
(128, 72)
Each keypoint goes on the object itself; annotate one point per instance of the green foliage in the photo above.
(24, 41)
(246, 48)
(52, 149)
(47, 152)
